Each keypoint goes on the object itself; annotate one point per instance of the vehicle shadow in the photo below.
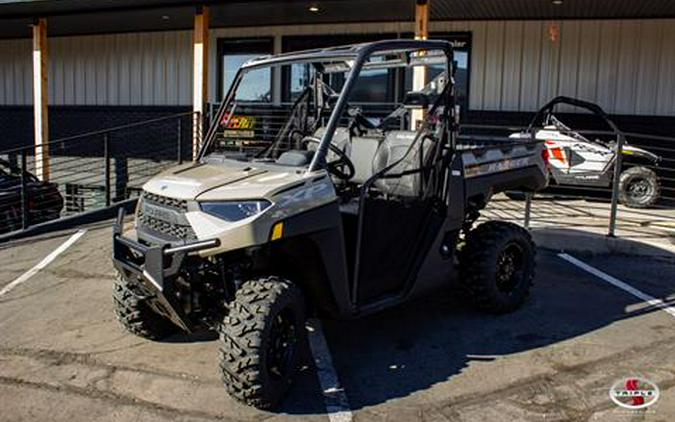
(304, 398)
(409, 349)
(196, 337)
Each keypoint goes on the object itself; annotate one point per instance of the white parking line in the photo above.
(40, 265)
(335, 399)
(618, 283)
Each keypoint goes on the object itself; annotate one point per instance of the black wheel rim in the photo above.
(639, 189)
(510, 264)
(282, 346)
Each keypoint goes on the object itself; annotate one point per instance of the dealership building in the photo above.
(112, 62)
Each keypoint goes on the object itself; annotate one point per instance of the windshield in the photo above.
(260, 123)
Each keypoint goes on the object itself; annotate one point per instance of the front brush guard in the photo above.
(156, 267)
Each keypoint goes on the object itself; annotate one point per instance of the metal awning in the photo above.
(68, 17)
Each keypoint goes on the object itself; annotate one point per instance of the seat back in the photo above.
(340, 140)
(362, 153)
(340, 136)
(394, 148)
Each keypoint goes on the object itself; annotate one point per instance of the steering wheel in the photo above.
(335, 167)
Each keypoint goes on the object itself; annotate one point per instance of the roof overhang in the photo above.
(71, 17)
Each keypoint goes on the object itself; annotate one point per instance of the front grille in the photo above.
(174, 209)
(179, 204)
(176, 231)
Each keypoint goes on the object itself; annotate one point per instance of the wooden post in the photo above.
(41, 120)
(200, 72)
(420, 72)
(421, 19)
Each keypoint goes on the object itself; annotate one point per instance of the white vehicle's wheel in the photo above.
(638, 187)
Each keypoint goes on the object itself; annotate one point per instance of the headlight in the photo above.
(234, 211)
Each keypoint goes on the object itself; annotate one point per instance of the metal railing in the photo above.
(89, 171)
(593, 207)
(98, 169)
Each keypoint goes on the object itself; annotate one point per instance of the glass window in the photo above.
(462, 78)
(232, 54)
(300, 75)
(373, 86)
(231, 64)
(256, 86)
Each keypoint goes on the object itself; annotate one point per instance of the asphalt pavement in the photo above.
(63, 356)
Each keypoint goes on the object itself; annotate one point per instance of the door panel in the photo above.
(393, 238)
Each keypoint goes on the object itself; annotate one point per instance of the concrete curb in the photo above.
(578, 241)
(73, 221)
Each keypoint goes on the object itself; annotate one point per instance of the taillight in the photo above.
(545, 156)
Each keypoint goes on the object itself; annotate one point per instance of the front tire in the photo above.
(497, 266)
(638, 187)
(135, 314)
(261, 341)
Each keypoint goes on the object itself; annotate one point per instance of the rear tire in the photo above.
(497, 266)
(135, 314)
(261, 341)
(638, 187)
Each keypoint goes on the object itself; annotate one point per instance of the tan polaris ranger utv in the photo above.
(316, 201)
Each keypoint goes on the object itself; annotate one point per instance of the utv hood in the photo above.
(190, 180)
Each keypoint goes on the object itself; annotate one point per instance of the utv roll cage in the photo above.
(354, 58)
(543, 113)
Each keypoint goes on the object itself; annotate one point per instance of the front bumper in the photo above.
(156, 268)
